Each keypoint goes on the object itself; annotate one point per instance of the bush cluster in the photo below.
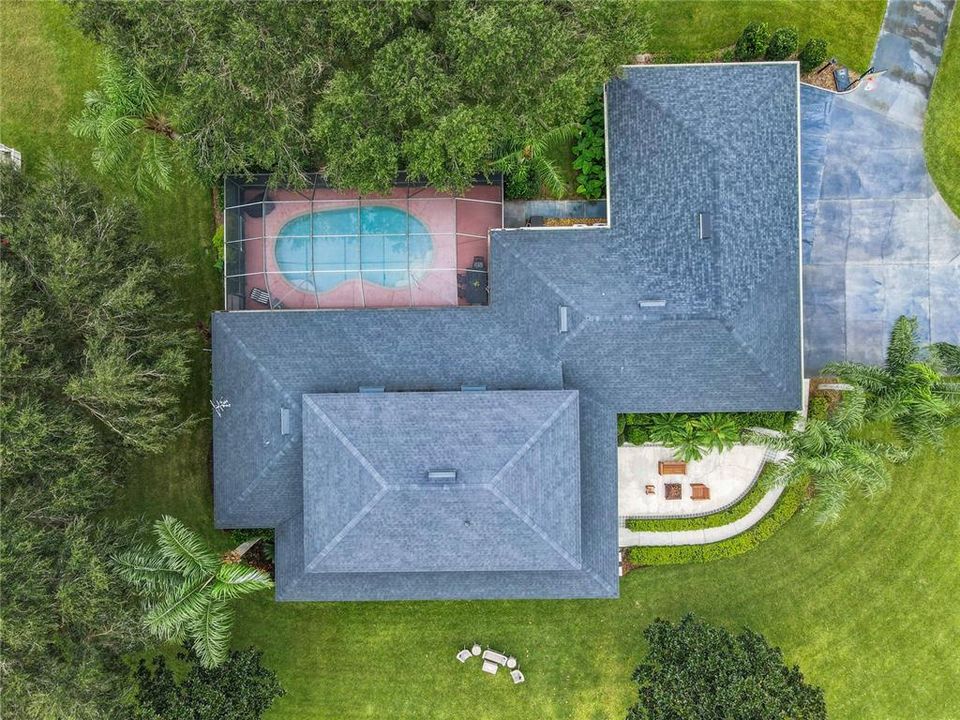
(783, 43)
(786, 507)
(637, 428)
(818, 408)
(588, 153)
(813, 52)
(752, 42)
(520, 183)
(725, 517)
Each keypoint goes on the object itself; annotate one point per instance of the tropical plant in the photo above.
(531, 158)
(948, 356)
(813, 52)
(827, 452)
(717, 431)
(241, 688)
(752, 42)
(783, 43)
(907, 389)
(694, 670)
(589, 152)
(187, 587)
(125, 118)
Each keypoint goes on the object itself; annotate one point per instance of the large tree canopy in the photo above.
(430, 87)
(695, 671)
(91, 368)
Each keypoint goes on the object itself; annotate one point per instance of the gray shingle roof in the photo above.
(681, 140)
(370, 506)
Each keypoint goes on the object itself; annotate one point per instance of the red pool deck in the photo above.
(458, 227)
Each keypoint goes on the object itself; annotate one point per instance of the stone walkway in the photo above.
(878, 239)
(708, 535)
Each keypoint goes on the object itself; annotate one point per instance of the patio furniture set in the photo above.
(674, 490)
(472, 285)
(492, 662)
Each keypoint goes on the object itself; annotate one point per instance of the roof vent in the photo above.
(706, 228)
(564, 321)
(473, 388)
(442, 475)
(653, 303)
(371, 389)
(284, 421)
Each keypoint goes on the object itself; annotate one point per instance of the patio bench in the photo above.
(672, 467)
(494, 656)
(699, 491)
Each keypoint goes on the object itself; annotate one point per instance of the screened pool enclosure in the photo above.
(322, 248)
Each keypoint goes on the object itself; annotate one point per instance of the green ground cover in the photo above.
(867, 608)
(733, 513)
(941, 138)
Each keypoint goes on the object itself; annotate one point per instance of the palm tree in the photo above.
(717, 431)
(825, 452)
(908, 389)
(532, 156)
(134, 138)
(187, 587)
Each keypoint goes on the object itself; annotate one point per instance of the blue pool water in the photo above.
(320, 250)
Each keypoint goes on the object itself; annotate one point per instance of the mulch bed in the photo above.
(833, 396)
(568, 222)
(825, 79)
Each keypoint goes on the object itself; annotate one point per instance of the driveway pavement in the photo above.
(878, 239)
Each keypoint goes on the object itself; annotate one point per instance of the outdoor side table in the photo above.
(511, 662)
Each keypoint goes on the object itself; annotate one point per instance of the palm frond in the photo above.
(183, 549)
(868, 377)
(210, 632)
(904, 347)
(235, 580)
(146, 570)
(174, 610)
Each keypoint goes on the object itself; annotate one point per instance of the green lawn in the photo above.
(941, 135)
(868, 609)
(850, 27)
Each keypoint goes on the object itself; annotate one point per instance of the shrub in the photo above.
(588, 153)
(783, 43)
(636, 434)
(786, 507)
(813, 52)
(752, 42)
(216, 242)
(520, 184)
(621, 424)
(818, 407)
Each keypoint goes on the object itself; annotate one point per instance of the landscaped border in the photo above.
(790, 501)
(733, 512)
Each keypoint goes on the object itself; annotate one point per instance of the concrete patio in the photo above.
(728, 475)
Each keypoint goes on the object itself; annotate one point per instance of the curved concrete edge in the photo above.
(629, 538)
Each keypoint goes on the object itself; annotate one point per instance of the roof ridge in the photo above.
(511, 463)
(745, 347)
(365, 463)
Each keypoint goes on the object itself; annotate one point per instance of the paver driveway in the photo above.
(878, 240)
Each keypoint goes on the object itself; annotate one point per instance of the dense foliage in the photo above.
(813, 52)
(239, 689)
(908, 388)
(752, 43)
(694, 670)
(432, 87)
(787, 506)
(529, 165)
(91, 368)
(694, 435)
(783, 43)
(829, 452)
(589, 152)
(187, 588)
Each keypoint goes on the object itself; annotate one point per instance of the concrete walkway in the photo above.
(708, 535)
(878, 239)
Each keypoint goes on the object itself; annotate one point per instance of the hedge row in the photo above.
(724, 517)
(788, 504)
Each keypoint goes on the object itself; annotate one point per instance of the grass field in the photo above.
(868, 609)
(941, 137)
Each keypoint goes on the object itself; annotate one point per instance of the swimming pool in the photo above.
(385, 244)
